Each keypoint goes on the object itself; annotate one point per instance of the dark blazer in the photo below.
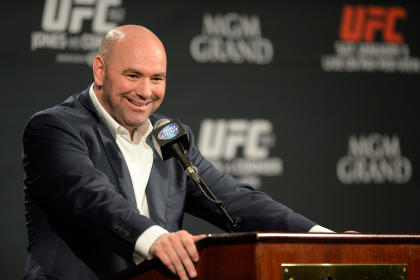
(81, 215)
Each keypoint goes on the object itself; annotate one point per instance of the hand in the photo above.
(351, 231)
(177, 251)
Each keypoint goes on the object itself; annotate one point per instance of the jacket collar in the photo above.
(84, 99)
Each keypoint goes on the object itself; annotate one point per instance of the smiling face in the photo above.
(130, 76)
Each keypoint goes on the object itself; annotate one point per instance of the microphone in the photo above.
(170, 140)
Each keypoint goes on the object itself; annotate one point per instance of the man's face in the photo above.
(134, 81)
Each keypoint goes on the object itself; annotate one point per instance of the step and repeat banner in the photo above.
(315, 104)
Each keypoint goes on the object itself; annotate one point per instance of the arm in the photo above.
(257, 210)
(61, 177)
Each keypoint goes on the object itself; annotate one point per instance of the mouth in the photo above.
(139, 104)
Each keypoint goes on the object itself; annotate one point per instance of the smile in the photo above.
(139, 104)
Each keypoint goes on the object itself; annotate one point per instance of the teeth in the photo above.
(134, 102)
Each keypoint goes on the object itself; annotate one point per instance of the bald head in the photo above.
(123, 33)
(130, 75)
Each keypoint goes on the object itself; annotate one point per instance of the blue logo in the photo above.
(169, 132)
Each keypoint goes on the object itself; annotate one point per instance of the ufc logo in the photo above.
(62, 15)
(361, 23)
(221, 139)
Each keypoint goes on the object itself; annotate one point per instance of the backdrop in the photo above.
(315, 104)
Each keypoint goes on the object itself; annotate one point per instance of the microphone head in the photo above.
(161, 122)
(167, 133)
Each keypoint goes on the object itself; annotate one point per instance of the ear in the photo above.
(99, 70)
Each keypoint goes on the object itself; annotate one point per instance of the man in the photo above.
(98, 197)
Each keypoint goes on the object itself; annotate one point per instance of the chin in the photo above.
(138, 123)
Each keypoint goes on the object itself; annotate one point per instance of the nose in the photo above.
(144, 88)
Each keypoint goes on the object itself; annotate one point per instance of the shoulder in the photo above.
(73, 116)
(75, 110)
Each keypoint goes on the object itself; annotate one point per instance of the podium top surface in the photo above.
(250, 237)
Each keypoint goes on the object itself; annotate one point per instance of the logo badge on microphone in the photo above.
(169, 131)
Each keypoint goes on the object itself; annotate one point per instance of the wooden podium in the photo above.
(296, 256)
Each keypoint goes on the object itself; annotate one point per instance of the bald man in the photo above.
(98, 197)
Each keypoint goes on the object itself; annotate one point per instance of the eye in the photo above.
(132, 76)
(158, 78)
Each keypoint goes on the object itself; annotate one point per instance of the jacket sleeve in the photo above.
(257, 210)
(62, 179)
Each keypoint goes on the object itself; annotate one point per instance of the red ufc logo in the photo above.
(360, 23)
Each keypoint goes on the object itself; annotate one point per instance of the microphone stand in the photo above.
(233, 224)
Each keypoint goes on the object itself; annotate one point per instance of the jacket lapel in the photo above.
(117, 162)
(112, 151)
(157, 188)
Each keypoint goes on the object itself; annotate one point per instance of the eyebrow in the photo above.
(132, 70)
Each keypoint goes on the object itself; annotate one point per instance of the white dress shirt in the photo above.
(318, 228)
(138, 156)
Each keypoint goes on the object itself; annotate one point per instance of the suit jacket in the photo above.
(81, 215)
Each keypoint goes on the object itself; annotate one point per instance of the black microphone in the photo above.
(170, 140)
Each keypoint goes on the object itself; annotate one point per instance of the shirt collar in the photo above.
(140, 133)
